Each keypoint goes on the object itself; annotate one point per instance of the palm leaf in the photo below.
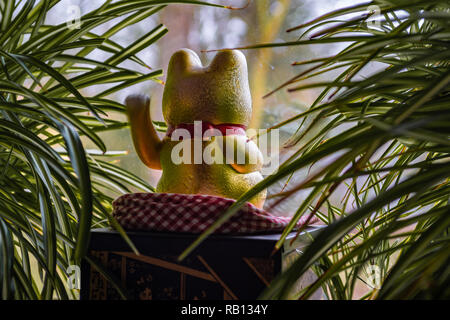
(380, 126)
(53, 190)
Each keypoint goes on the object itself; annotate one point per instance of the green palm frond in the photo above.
(389, 132)
(53, 190)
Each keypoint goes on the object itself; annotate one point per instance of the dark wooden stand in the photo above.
(222, 267)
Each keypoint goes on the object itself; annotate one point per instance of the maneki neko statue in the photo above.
(207, 162)
(212, 105)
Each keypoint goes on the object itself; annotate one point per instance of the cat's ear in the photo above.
(182, 61)
(229, 60)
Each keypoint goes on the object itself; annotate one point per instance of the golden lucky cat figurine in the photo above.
(218, 95)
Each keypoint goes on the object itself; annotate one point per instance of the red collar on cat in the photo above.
(199, 128)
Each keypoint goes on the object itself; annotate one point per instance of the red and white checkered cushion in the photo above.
(191, 213)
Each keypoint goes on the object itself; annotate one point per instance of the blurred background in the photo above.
(202, 28)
